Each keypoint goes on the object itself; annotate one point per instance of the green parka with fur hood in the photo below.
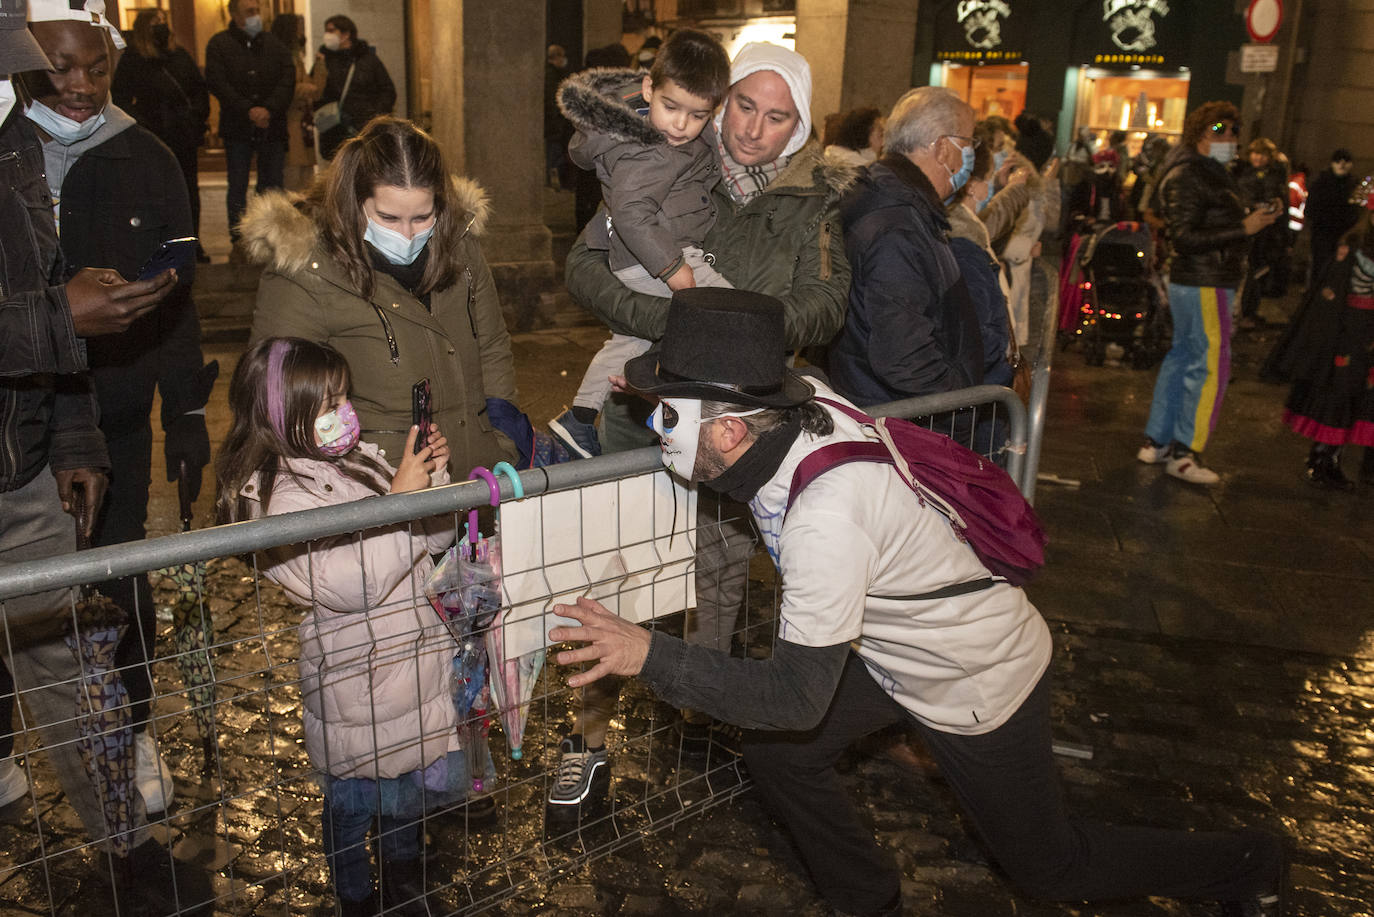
(391, 341)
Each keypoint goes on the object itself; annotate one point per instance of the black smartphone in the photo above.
(177, 254)
(421, 414)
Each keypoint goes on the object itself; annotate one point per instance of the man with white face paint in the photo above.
(777, 232)
(937, 643)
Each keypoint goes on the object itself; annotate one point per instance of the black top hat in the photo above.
(721, 345)
(19, 50)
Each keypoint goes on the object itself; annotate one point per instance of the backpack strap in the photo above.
(827, 457)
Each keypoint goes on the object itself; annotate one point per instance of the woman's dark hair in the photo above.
(1204, 116)
(389, 151)
(855, 128)
(343, 24)
(142, 34)
(310, 373)
(287, 30)
(696, 62)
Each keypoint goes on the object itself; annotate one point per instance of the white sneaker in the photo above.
(151, 774)
(14, 783)
(1151, 454)
(1186, 467)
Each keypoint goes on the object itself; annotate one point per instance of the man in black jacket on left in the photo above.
(115, 206)
(254, 77)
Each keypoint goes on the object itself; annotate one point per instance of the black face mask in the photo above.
(162, 34)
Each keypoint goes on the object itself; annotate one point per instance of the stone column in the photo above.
(860, 52)
(488, 84)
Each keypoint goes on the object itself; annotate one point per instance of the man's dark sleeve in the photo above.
(221, 81)
(76, 439)
(279, 99)
(36, 334)
(790, 691)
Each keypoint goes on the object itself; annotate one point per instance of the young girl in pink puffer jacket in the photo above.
(375, 664)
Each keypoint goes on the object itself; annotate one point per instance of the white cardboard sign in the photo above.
(630, 544)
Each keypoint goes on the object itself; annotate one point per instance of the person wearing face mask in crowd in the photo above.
(381, 260)
(1329, 213)
(50, 449)
(114, 205)
(347, 70)
(159, 84)
(1208, 230)
(911, 327)
(254, 78)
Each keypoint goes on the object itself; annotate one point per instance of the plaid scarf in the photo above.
(744, 183)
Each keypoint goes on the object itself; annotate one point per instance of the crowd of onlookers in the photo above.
(893, 253)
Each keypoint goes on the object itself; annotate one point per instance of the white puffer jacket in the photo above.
(375, 658)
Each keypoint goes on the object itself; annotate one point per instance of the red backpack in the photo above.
(979, 499)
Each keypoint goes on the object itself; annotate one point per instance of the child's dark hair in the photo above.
(855, 128)
(696, 62)
(275, 396)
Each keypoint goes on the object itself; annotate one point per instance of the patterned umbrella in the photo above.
(105, 733)
(193, 635)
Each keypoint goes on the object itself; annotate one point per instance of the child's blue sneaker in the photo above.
(579, 437)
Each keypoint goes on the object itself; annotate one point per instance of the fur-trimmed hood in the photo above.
(280, 232)
(595, 101)
(811, 170)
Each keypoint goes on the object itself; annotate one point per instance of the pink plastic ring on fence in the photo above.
(495, 490)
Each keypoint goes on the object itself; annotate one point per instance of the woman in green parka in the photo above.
(380, 260)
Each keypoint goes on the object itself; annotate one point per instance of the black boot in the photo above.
(403, 888)
(1324, 468)
(1367, 466)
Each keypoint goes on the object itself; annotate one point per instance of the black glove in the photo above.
(188, 441)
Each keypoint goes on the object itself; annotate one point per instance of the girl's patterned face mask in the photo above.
(338, 430)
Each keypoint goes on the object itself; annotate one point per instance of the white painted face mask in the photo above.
(677, 421)
(6, 99)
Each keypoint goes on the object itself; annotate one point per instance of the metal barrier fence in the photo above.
(248, 807)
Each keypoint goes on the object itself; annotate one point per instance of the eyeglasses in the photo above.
(1220, 128)
(976, 142)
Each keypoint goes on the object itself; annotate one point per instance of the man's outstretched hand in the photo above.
(614, 644)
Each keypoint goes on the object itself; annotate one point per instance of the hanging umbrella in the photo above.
(105, 735)
(512, 680)
(193, 635)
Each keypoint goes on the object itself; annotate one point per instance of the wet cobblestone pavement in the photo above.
(1213, 650)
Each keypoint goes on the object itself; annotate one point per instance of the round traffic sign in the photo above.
(1263, 18)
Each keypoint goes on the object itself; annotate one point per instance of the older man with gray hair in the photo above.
(911, 328)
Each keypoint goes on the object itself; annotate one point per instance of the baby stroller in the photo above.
(1119, 299)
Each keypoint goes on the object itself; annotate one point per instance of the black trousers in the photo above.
(1008, 784)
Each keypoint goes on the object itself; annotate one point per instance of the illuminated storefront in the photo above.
(979, 53)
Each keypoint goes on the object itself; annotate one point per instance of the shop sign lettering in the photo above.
(982, 21)
(1132, 22)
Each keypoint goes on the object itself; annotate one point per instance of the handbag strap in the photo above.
(348, 81)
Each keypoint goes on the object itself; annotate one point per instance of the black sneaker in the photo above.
(157, 884)
(578, 769)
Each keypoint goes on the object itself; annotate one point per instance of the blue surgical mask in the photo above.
(61, 128)
(1223, 151)
(253, 26)
(395, 247)
(958, 179)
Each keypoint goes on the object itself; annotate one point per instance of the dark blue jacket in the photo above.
(994, 324)
(910, 328)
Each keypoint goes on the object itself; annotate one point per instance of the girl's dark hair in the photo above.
(389, 151)
(310, 373)
(696, 62)
(286, 29)
(1202, 117)
(855, 127)
(343, 24)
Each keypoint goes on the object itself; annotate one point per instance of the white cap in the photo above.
(795, 72)
(91, 12)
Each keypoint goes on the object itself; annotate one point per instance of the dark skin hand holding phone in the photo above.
(103, 302)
